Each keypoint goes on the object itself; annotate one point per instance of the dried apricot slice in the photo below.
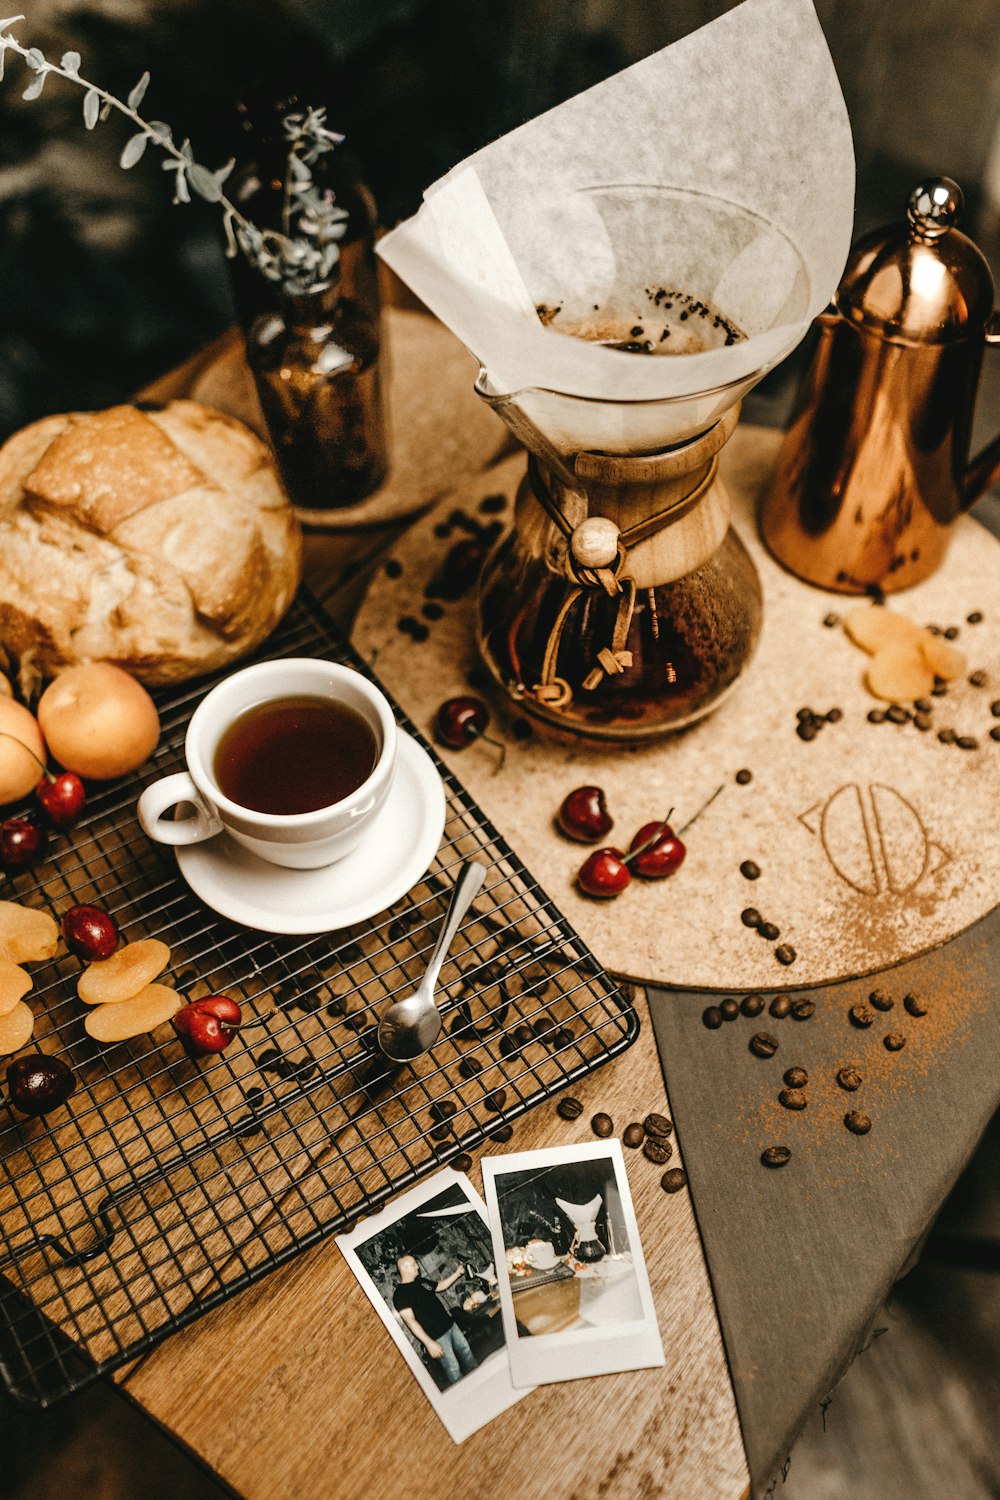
(124, 974)
(127, 1018)
(15, 983)
(900, 674)
(15, 1028)
(944, 659)
(873, 627)
(27, 935)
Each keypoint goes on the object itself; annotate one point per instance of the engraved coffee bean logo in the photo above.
(875, 839)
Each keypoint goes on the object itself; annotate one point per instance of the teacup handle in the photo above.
(161, 796)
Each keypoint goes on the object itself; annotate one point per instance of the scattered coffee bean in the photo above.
(978, 678)
(462, 1162)
(803, 1009)
(923, 706)
(785, 954)
(951, 634)
(712, 1017)
(253, 1097)
(393, 568)
(469, 1067)
(896, 714)
(659, 1125)
(922, 722)
(569, 1108)
(752, 1005)
(750, 917)
(894, 1041)
(440, 1132)
(248, 1125)
(995, 732)
(939, 690)
(430, 610)
(763, 1044)
(541, 1027)
(857, 1122)
(792, 1099)
(876, 716)
(744, 777)
(914, 1005)
(730, 1009)
(496, 1101)
(834, 715)
(849, 1079)
(633, 1134)
(995, 708)
(880, 1000)
(975, 618)
(268, 1059)
(967, 742)
(508, 1046)
(933, 629)
(768, 931)
(503, 1133)
(796, 1078)
(443, 1109)
(781, 1006)
(861, 1016)
(304, 1071)
(674, 1180)
(523, 1035)
(776, 1156)
(657, 1150)
(602, 1125)
(357, 1021)
(831, 620)
(806, 730)
(491, 505)
(562, 1038)
(750, 870)
(946, 736)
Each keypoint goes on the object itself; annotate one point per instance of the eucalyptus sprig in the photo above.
(302, 255)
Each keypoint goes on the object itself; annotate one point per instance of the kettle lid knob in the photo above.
(934, 207)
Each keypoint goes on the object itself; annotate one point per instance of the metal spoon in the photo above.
(411, 1025)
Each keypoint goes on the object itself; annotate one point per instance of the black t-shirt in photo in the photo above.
(427, 1307)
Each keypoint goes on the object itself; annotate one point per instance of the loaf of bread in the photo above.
(158, 538)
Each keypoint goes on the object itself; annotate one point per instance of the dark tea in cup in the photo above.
(295, 755)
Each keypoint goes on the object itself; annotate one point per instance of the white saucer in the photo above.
(397, 851)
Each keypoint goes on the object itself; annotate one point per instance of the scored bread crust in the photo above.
(160, 540)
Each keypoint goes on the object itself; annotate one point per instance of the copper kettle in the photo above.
(874, 467)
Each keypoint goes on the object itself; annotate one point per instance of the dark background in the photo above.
(105, 284)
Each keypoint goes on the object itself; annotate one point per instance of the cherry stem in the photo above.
(654, 838)
(45, 770)
(698, 814)
(479, 734)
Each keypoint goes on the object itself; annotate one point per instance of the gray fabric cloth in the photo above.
(802, 1257)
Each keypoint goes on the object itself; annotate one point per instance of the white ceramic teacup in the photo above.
(302, 841)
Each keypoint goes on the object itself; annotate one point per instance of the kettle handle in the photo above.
(984, 469)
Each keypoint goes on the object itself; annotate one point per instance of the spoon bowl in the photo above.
(411, 1025)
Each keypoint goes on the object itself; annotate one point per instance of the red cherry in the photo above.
(604, 874)
(656, 851)
(207, 1025)
(90, 932)
(22, 841)
(584, 816)
(462, 720)
(62, 797)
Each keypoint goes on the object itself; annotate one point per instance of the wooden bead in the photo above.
(594, 542)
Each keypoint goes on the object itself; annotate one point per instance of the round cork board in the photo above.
(875, 842)
(433, 445)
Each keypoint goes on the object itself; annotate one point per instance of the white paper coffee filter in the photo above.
(720, 167)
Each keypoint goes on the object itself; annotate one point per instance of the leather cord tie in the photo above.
(613, 579)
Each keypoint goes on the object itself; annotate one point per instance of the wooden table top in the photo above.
(293, 1391)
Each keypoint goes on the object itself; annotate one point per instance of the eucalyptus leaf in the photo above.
(203, 182)
(34, 87)
(138, 93)
(34, 58)
(70, 63)
(223, 172)
(181, 194)
(91, 108)
(3, 55)
(160, 132)
(134, 147)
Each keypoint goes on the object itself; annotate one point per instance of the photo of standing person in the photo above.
(425, 1315)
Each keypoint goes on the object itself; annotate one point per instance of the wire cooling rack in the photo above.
(165, 1185)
